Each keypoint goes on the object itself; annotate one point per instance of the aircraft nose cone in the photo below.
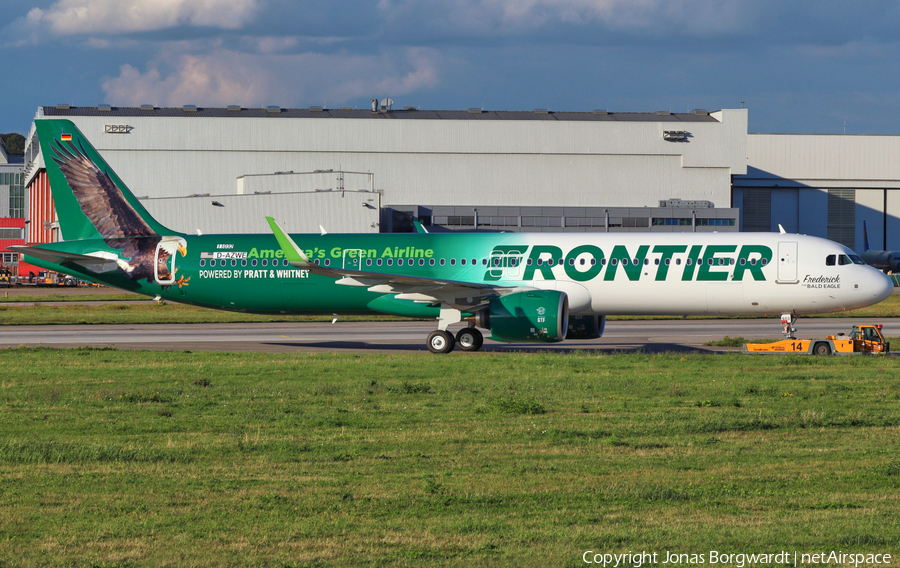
(882, 286)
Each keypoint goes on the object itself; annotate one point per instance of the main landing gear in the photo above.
(467, 339)
(442, 341)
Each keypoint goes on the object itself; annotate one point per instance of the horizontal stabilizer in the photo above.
(93, 263)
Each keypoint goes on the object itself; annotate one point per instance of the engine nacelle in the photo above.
(535, 315)
(586, 327)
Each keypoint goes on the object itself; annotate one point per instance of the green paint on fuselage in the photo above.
(249, 272)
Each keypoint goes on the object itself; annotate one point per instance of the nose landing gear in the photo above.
(787, 323)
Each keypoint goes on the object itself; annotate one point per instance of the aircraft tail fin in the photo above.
(90, 199)
(865, 238)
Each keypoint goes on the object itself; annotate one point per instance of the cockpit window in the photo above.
(856, 259)
(830, 259)
(844, 259)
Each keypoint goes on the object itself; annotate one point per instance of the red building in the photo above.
(41, 210)
(10, 226)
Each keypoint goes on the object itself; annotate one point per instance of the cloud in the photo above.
(207, 80)
(510, 18)
(116, 17)
(225, 77)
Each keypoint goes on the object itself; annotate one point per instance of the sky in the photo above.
(821, 66)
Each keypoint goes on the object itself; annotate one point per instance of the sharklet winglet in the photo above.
(291, 251)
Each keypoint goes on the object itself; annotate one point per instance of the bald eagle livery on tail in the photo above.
(120, 226)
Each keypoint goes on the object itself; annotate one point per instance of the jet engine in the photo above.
(532, 316)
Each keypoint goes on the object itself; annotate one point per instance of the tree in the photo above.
(14, 144)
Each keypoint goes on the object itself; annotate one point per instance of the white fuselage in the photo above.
(697, 273)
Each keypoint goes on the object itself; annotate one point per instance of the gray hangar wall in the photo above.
(413, 157)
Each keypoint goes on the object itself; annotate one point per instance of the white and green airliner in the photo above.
(521, 287)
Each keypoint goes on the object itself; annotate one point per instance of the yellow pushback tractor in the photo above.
(862, 339)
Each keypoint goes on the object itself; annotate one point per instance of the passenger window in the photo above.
(378, 262)
(647, 261)
(390, 262)
(368, 262)
(233, 262)
(656, 262)
(474, 261)
(462, 261)
(689, 262)
(430, 262)
(202, 262)
(764, 261)
(253, 262)
(752, 262)
(265, 261)
(243, 262)
(452, 262)
(668, 261)
(327, 261)
(677, 262)
(421, 262)
(443, 262)
(624, 261)
(572, 261)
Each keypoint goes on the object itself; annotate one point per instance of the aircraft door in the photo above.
(787, 263)
(352, 259)
(505, 264)
(513, 264)
(164, 262)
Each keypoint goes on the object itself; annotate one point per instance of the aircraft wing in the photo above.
(97, 264)
(460, 295)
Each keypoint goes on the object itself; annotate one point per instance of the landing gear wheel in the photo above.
(822, 349)
(440, 341)
(469, 339)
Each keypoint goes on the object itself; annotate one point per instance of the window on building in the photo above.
(635, 221)
(842, 216)
(757, 210)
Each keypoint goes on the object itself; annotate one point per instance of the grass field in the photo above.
(122, 458)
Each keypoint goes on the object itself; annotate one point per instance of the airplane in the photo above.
(520, 287)
(885, 260)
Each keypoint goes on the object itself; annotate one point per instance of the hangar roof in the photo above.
(405, 114)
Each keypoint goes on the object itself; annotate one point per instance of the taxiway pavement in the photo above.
(290, 337)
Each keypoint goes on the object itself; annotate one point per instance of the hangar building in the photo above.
(363, 170)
